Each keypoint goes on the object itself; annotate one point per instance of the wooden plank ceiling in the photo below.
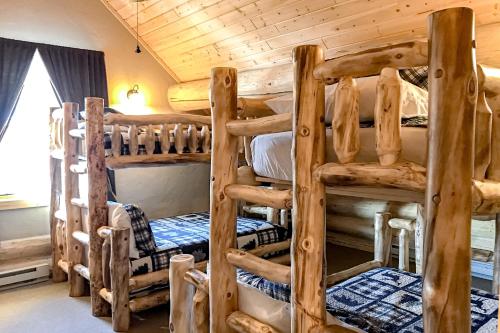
(191, 36)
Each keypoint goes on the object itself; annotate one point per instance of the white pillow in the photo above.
(119, 218)
(414, 100)
(281, 104)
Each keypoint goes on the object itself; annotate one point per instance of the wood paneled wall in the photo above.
(192, 36)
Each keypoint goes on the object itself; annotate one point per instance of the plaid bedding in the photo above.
(383, 300)
(416, 75)
(190, 234)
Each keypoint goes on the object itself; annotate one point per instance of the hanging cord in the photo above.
(138, 49)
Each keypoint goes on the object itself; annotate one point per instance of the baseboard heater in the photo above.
(23, 276)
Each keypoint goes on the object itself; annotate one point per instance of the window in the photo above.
(24, 149)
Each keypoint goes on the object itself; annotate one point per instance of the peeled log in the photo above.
(345, 122)
(388, 109)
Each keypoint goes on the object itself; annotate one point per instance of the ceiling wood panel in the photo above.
(191, 36)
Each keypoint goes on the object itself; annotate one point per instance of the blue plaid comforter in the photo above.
(383, 300)
(190, 234)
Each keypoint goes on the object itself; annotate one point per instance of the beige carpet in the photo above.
(46, 308)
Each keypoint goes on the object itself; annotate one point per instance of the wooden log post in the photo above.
(133, 144)
(192, 138)
(308, 153)
(73, 214)
(97, 196)
(164, 139)
(223, 286)
(452, 99)
(404, 250)
(496, 263)
(205, 137)
(383, 239)
(58, 275)
(181, 293)
(482, 136)
(345, 121)
(200, 312)
(388, 107)
(180, 141)
(150, 140)
(119, 278)
(116, 140)
(419, 238)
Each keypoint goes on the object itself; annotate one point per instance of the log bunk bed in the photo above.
(461, 178)
(90, 244)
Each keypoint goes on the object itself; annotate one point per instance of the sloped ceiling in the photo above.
(191, 36)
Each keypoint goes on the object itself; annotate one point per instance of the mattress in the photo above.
(382, 300)
(190, 234)
(271, 153)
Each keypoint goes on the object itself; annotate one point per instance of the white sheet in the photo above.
(271, 153)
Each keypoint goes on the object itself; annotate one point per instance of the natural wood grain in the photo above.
(116, 140)
(382, 239)
(71, 189)
(119, 273)
(308, 152)
(150, 301)
(405, 175)
(419, 238)
(201, 312)
(133, 144)
(198, 279)
(157, 119)
(388, 110)
(256, 265)
(351, 272)
(452, 96)
(125, 161)
(371, 62)
(264, 125)
(181, 293)
(483, 127)
(243, 323)
(259, 195)
(223, 286)
(345, 122)
(97, 200)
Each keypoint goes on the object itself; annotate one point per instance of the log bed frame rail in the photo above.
(108, 247)
(461, 151)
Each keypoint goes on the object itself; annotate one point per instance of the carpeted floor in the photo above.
(46, 307)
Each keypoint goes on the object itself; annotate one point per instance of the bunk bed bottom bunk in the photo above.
(189, 234)
(380, 300)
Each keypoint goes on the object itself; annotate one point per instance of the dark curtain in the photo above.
(15, 60)
(75, 73)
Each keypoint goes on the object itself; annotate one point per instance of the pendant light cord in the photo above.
(138, 49)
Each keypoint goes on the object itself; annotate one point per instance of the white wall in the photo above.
(88, 24)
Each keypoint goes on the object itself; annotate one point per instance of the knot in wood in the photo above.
(227, 81)
(221, 196)
(322, 119)
(436, 198)
(171, 327)
(306, 244)
(399, 56)
(304, 131)
(472, 86)
(438, 73)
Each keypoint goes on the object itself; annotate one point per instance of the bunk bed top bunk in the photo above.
(461, 177)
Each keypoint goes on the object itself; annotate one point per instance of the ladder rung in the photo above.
(263, 125)
(256, 265)
(262, 196)
(79, 169)
(60, 214)
(397, 223)
(241, 322)
(77, 133)
(79, 202)
(82, 270)
(82, 237)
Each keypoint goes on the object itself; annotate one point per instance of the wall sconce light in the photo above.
(133, 91)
